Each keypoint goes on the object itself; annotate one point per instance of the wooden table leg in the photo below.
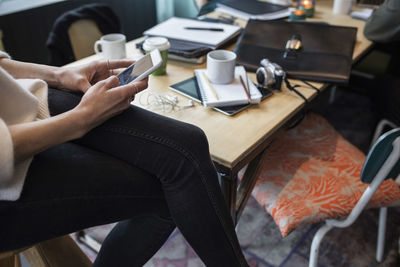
(237, 196)
(228, 187)
(247, 184)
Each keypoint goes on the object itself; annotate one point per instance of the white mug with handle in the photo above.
(221, 66)
(111, 46)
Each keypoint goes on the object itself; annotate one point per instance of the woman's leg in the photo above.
(70, 187)
(177, 154)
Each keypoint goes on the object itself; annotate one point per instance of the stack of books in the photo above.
(231, 97)
(222, 95)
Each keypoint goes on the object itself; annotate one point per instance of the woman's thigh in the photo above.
(155, 143)
(70, 187)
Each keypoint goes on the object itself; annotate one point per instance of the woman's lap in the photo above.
(177, 183)
(70, 187)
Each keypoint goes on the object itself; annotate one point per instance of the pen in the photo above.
(204, 29)
(245, 88)
(209, 85)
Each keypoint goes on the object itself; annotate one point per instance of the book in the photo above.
(325, 56)
(220, 95)
(194, 32)
(253, 9)
(190, 89)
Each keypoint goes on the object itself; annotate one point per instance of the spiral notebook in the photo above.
(222, 95)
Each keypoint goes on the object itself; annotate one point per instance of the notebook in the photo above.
(325, 56)
(177, 29)
(190, 89)
(222, 95)
(253, 9)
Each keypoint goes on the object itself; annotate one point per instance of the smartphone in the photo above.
(142, 68)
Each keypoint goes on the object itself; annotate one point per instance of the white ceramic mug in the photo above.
(221, 66)
(111, 46)
(342, 6)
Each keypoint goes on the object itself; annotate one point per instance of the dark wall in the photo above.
(25, 33)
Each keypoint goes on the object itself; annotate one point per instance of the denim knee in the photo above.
(195, 140)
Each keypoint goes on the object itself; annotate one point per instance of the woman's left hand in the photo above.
(81, 78)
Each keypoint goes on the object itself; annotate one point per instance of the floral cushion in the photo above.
(311, 173)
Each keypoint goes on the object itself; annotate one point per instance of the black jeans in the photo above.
(148, 172)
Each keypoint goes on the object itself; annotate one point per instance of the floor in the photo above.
(262, 244)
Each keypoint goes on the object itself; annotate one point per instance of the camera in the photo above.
(270, 75)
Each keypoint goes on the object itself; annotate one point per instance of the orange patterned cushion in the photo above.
(311, 173)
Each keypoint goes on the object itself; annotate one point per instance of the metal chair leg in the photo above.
(316, 242)
(381, 234)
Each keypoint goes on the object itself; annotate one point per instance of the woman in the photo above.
(97, 160)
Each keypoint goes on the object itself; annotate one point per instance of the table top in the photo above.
(233, 139)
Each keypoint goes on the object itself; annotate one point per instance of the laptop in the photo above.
(369, 3)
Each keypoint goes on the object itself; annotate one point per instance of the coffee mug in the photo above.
(111, 46)
(221, 66)
(342, 6)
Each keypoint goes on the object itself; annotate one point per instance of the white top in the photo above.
(21, 101)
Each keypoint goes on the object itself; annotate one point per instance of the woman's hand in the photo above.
(106, 99)
(81, 78)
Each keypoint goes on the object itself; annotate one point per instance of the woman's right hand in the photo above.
(106, 99)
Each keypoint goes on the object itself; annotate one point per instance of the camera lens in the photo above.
(260, 76)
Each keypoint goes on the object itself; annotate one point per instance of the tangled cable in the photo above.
(165, 103)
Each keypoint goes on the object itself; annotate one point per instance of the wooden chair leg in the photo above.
(12, 261)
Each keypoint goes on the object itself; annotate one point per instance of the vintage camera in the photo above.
(270, 75)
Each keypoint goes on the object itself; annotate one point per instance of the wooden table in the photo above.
(242, 139)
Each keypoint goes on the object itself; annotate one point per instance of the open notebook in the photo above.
(228, 94)
(183, 29)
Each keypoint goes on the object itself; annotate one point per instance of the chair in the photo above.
(83, 34)
(58, 252)
(312, 174)
(74, 33)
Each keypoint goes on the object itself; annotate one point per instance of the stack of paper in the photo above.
(253, 9)
(362, 14)
(222, 95)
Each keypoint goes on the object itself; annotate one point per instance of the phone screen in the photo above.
(133, 71)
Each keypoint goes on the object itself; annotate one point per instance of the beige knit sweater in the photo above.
(21, 101)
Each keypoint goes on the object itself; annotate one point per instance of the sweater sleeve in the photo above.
(6, 154)
(384, 24)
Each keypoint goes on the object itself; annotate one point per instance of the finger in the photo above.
(110, 82)
(141, 85)
(129, 90)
